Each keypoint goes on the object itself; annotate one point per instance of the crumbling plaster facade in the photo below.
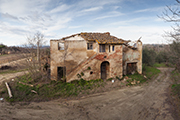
(132, 55)
(90, 63)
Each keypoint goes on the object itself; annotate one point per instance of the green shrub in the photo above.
(162, 57)
(148, 57)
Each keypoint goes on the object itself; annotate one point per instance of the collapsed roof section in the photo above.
(133, 44)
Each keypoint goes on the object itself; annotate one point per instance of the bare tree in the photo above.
(36, 42)
(37, 58)
(172, 14)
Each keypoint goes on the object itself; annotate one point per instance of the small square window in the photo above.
(89, 46)
(60, 46)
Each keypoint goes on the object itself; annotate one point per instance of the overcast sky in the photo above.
(126, 19)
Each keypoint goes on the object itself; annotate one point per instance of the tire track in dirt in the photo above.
(136, 103)
(146, 102)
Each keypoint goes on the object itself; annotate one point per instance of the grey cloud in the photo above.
(13, 30)
(7, 15)
(37, 19)
(19, 31)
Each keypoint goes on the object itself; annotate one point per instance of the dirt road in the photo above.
(146, 102)
(10, 58)
(16, 63)
(8, 76)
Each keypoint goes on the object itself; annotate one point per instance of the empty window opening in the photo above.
(60, 46)
(102, 48)
(131, 68)
(89, 46)
(113, 48)
(91, 72)
(61, 73)
(109, 48)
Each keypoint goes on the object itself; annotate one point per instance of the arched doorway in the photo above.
(104, 70)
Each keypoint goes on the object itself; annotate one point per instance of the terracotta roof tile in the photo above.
(101, 38)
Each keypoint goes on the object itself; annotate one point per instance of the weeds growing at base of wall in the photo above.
(148, 73)
(23, 91)
(25, 88)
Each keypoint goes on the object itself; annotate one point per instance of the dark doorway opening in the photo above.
(104, 70)
(131, 68)
(61, 73)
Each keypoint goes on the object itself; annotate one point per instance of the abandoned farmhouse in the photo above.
(94, 56)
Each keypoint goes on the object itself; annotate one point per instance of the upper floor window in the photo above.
(60, 46)
(113, 48)
(102, 48)
(89, 46)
